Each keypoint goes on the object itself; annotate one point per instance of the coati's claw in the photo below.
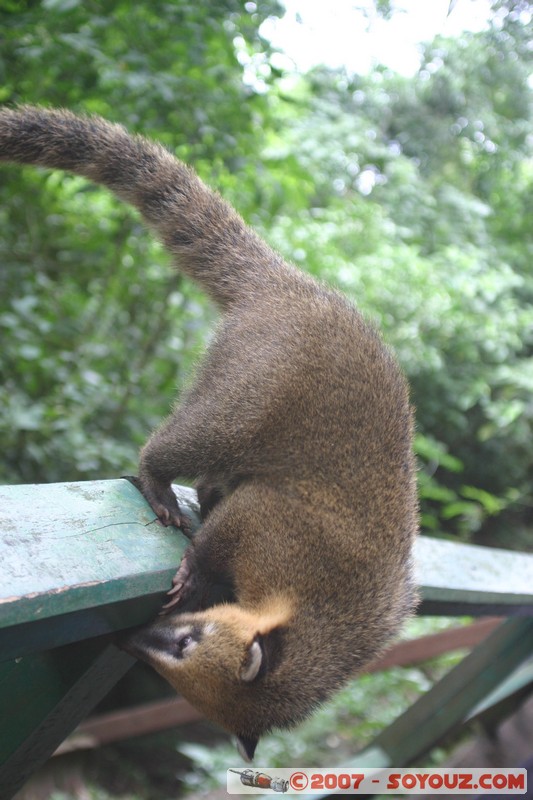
(171, 604)
(185, 526)
(167, 516)
(182, 585)
(166, 608)
(163, 502)
(175, 589)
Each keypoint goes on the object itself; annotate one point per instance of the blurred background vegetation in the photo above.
(413, 194)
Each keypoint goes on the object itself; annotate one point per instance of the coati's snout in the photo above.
(169, 645)
(219, 660)
(153, 642)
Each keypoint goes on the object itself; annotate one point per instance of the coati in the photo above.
(298, 432)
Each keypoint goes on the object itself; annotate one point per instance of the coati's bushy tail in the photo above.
(209, 241)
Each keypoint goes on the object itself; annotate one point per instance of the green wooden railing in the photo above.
(80, 561)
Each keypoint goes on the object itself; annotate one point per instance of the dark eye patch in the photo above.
(180, 645)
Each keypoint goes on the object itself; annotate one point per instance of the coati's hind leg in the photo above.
(205, 576)
(184, 581)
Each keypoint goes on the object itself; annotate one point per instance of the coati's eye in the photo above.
(183, 642)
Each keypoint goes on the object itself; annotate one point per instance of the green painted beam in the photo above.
(465, 579)
(42, 699)
(519, 682)
(505, 700)
(80, 560)
(89, 558)
(60, 541)
(440, 710)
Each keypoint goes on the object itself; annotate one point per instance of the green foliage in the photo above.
(96, 331)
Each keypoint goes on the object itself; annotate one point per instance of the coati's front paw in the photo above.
(165, 506)
(183, 585)
(163, 502)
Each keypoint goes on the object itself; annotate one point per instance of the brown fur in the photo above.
(298, 431)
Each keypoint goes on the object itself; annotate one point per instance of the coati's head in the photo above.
(226, 661)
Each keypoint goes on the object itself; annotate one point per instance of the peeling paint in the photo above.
(51, 592)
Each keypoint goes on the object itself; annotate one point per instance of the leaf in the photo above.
(490, 503)
(431, 450)
(459, 508)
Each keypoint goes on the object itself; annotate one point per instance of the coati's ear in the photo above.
(246, 746)
(252, 663)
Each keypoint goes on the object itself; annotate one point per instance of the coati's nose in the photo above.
(140, 641)
(153, 640)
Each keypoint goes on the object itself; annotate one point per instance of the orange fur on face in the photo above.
(275, 612)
